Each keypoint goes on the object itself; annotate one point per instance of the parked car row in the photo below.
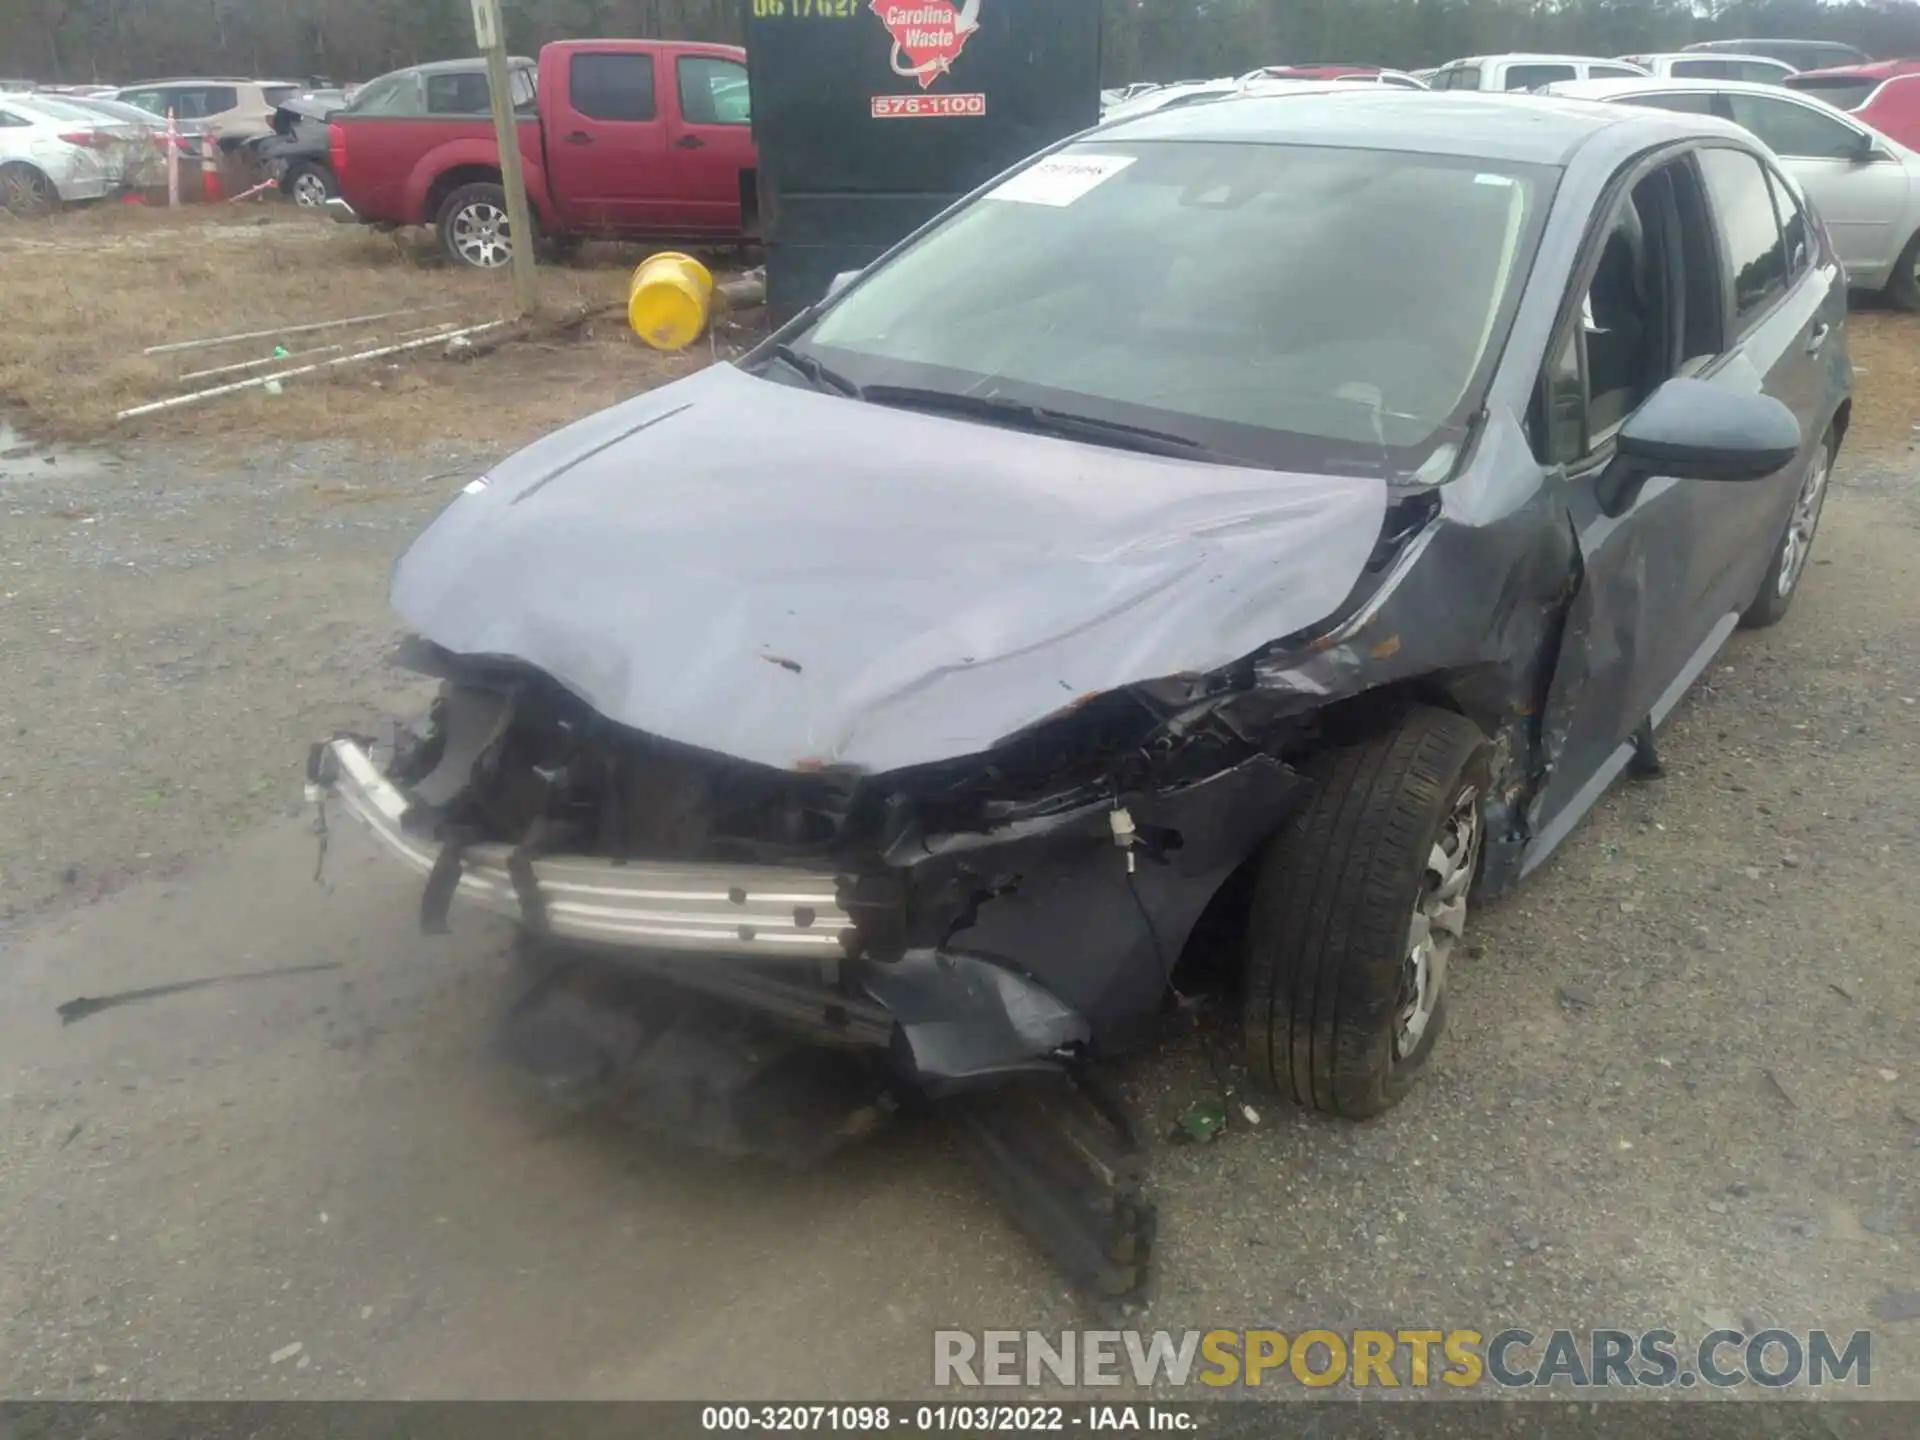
(1856, 164)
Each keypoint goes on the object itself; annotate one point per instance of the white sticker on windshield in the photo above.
(1504, 181)
(1060, 179)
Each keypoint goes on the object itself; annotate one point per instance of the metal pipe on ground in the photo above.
(261, 381)
(181, 345)
(236, 368)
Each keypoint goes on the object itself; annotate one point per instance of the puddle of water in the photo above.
(22, 460)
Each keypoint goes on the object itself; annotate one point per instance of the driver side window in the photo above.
(1649, 310)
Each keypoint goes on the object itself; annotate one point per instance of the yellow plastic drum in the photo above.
(669, 300)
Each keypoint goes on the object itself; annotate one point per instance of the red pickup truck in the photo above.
(635, 139)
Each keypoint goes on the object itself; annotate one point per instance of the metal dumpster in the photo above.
(870, 116)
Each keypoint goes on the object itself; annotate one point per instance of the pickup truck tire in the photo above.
(473, 227)
(1357, 910)
(309, 184)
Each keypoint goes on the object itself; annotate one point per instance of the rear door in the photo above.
(1861, 201)
(1785, 311)
(712, 144)
(608, 156)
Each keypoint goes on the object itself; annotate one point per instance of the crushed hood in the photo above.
(798, 579)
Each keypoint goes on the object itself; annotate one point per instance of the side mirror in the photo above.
(1692, 430)
(1864, 151)
(840, 282)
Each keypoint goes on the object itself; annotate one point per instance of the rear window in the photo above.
(1705, 69)
(1844, 91)
(459, 92)
(613, 87)
(1532, 77)
(713, 91)
(209, 99)
(1749, 230)
(1686, 102)
(401, 94)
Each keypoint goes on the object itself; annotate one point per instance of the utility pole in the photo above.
(491, 33)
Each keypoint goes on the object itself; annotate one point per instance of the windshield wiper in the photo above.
(1002, 410)
(821, 376)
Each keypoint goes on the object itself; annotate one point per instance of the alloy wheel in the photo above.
(1806, 519)
(483, 235)
(1439, 920)
(309, 190)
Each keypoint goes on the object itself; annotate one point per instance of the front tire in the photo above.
(1790, 551)
(1358, 907)
(1904, 288)
(474, 229)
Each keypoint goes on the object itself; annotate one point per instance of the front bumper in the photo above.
(755, 912)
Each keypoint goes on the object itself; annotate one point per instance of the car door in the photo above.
(1663, 576)
(607, 141)
(1643, 305)
(1861, 199)
(712, 140)
(1785, 311)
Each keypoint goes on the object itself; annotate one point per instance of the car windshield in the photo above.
(1291, 306)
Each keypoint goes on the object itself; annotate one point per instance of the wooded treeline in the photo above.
(127, 40)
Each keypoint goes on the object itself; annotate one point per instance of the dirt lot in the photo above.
(1682, 1084)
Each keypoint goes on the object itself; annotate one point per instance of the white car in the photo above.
(231, 110)
(1162, 96)
(1694, 65)
(131, 143)
(1864, 186)
(1526, 72)
(47, 161)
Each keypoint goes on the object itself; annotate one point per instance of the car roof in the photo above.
(1876, 70)
(1703, 55)
(452, 67)
(1668, 85)
(1529, 129)
(1528, 57)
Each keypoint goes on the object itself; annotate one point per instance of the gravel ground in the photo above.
(1681, 1088)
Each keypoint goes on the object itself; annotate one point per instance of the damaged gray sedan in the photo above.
(1245, 537)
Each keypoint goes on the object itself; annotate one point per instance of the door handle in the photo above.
(1818, 338)
(579, 137)
(689, 142)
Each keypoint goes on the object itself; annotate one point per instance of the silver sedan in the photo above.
(1865, 185)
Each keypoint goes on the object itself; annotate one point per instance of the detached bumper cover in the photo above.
(758, 912)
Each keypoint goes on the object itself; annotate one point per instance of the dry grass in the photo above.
(85, 293)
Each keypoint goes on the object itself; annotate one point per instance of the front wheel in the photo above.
(1358, 906)
(1791, 550)
(474, 229)
(1904, 288)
